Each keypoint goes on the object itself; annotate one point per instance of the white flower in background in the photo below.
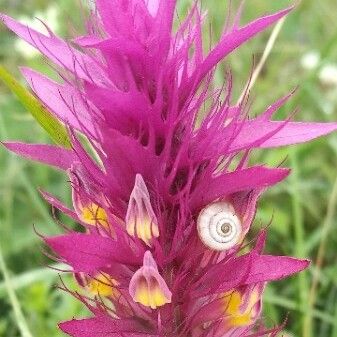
(310, 60)
(49, 17)
(328, 74)
(328, 78)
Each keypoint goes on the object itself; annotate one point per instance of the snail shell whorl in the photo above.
(219, 227)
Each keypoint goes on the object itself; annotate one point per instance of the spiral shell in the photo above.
(219, 227)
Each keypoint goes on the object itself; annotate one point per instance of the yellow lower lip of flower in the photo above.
(103, 285)
(93, 214)
(241, 320)
(152, 298)
(144, 230)
(236, 316)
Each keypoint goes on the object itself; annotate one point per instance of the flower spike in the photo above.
(165, 193)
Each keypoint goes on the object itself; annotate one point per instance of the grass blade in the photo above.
(269, 47)
(331, 210)
(57, 131)
(299, 233)
(20, 318)
(31, 276)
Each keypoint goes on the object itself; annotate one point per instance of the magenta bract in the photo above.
(167, 146)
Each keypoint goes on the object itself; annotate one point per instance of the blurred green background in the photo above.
(303, 208)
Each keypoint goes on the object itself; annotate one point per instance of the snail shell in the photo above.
(219, 227)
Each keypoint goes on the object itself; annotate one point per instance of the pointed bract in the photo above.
(90, 253)
(47, 154)
(64, 101)
(57, 50)
(103, 326)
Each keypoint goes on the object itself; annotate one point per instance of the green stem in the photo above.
(299, 232)
(327, 226)
(20, 319)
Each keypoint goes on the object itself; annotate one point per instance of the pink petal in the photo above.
(87, 40)
(59, 205)
(90, 253)
(224, 276)
(255, 133)
(121, 110)
(114, 17)
(234, 39)
(229, 183)
(153, 6)
(122, 162)
(104, 326)
(272, 268)
(58, 51)
(47, 154)
(64, 101)
(299, 132)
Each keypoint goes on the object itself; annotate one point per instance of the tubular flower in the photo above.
(140, 219)
(165, 204)
(147, 286)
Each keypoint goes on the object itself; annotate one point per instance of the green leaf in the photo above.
(55, 129)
